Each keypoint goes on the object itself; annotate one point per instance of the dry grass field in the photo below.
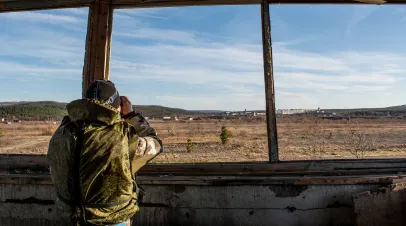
(299, 138)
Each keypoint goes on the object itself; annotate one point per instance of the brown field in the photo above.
(299, 138)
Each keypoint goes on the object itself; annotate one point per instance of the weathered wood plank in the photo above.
(152, 216)
(269, 83)
(226, 180)
(21, 211)
(173, 3)
(109, 42)
(98, 41)
(37, 164)
(23, 160)
(9, 221)
(101, 40)
(178, 3)
(229, 180)
(190, 196)
(86, 77)
(27, 193)
(25, 5)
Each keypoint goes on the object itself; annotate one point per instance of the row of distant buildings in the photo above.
(244, 113)
(262, 113)
(293, 111)
(169, 118)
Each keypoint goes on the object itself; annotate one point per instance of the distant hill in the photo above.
(10, 103)
(46, 109)
(156, 111)
(392, 108)
(396, 108)
(207, 112)
(33, 109)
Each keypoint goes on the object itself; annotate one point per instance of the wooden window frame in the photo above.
(23, 169)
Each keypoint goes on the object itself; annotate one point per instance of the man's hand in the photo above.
(126, 106)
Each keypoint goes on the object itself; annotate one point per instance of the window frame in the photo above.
(336, 171)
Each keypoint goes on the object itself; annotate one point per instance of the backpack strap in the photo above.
(138, 190)
(80, 130)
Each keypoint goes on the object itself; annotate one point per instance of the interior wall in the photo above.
(286, 205)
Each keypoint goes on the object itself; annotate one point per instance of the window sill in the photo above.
(33, 169)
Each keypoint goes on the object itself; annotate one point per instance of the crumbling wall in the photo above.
(204, 205)
(383, 206)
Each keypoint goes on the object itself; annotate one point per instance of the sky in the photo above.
(201, 58)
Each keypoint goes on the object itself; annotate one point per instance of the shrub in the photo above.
(49, 131)
(190, 147)
(171, 129)
(231, 132)
(318, 138)
(224, 135)
(244, 132)
(360, 143)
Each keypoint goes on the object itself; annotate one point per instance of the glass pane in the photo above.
(194, 64)
(41, 63)
(339, 80)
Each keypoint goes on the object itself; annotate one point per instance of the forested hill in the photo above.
(392, 108)
(33, 109)
(47, 109)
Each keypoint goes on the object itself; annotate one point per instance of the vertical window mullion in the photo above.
(269, 83)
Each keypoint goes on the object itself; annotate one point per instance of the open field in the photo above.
(299, 138)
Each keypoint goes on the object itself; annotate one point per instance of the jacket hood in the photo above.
(92, 111)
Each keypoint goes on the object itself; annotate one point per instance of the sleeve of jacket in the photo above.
(144, 142)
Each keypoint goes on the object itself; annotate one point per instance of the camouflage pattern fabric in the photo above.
(113, 150)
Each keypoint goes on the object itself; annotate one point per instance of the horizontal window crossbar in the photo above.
(25, 5)
(34, 169)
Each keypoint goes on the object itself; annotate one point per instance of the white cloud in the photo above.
(44, 45)
(211, 55)
(213, 102)
(360, 13)
(230, 67)
(160, 35)
(298, 100)
(154, 13)
(186, 74)
(340, 78)
(307, 75)
(235, 65)
(40, 17)
(11, 69)
(77, 11)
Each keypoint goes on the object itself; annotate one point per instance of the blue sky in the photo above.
(211, 57)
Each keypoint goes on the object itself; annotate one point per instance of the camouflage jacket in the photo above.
(119, 144)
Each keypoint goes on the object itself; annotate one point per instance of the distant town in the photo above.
(398, 112)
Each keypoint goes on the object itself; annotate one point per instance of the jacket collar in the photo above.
(92, 111)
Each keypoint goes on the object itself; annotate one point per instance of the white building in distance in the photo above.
(292, 111)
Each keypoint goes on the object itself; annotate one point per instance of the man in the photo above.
(94, 155)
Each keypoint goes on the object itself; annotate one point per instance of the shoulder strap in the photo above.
(138, 190)
(80, 130)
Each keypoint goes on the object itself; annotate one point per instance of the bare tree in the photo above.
(171, 129)
(360, 143)
(318, 138)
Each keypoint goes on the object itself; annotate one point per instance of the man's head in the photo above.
(104, 91)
